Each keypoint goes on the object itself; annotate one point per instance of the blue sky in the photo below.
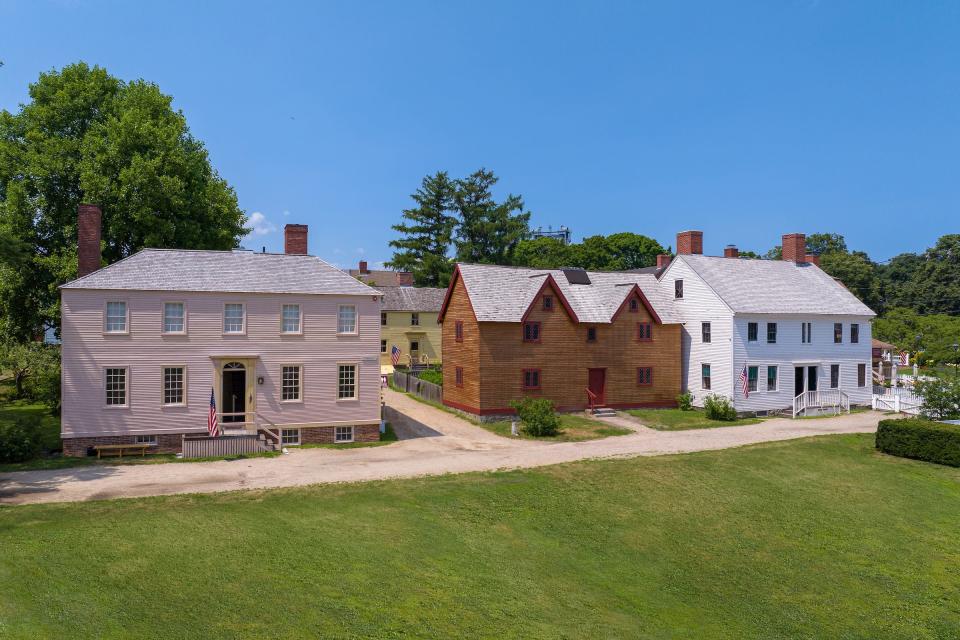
(744, 119)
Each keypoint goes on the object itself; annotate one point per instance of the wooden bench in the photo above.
(118, 449)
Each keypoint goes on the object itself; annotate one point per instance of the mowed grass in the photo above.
(817, 538)
(573, 428)
(678, 420)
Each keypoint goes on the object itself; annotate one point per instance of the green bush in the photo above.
(941, 397)
(538, 417)
(719, 408)
(432, 375)
(19, 440)
(920, 439)
(685, 402)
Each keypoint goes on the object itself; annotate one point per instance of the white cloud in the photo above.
(259, 225)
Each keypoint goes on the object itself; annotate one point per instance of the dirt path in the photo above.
(431, 442)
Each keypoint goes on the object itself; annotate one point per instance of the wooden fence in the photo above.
(413, 384)
(204, 447)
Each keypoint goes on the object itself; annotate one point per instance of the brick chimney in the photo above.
(88, 238)
(689, 242)
(363, 267)
(813, 258)
(295, 239)
(795, 248)
(731, 251)
(663, 260)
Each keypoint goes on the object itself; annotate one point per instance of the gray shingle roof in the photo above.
(503, 294)
(775, 286)
(229, 271)
(412, 298)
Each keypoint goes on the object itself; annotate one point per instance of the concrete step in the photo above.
(604, 412)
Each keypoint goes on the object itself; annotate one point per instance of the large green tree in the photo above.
(85, 136)
(935, 285)
(487, 231)
(856, 272)
(427, 233)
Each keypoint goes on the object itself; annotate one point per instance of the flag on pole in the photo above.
(395, 355)
(212, 426)
(904, 359)
(744, 383)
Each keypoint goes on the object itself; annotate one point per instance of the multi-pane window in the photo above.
(290, 383)
(771, 333)
(861, 375)
(548, 303)
(174, 317)
(705, 376)
(705, 332)
(752, 374)
(174, 379)
(343, 434)
(290, 318)
(678, 289)
(233, 318)
(644, 331)
(837, 332)
(346, 381)
(458, 376)
(116, 386)
(414, 345)
(834, 376)
(383, 318)
(146, 439)
(383, 346)
(116, 318)
(531, 332)
(290, 436)
(591, 334)
(634, 305)
(771, 378)
(415, 319)
(751, 332)
(347, 319)
(458, 330)
(644, 376)
(806, 332)
(531, 378)
(854, 333)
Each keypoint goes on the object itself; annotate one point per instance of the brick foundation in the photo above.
(78, 447)
(324, 435)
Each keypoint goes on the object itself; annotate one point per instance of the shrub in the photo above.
(719, 408)
(941, 398)
(538, 417)
(432, 375)
(920, 439)
(685, 402)
(20, 439)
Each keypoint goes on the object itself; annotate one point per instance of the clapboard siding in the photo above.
(145, 350)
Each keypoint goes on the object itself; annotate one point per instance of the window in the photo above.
(591, 334)
(458, 330)
(290, 383)
(548, 303)
(751, 332)
(347, 319)
(343, 434)
(854, 333)
(531, 332)
(678, 289)
(383, 346)
(644, 376)
(634, 305)
(458, 376)
(861, 375)
(806, 332)
(834, 376)
(531, 379)
(174, 379)
(705, 376)
(771, 333)
(116, 387)
(233, 318)
(346, 381)
(752, 374)
(414, 345)
(174, 317)
(383, 318)
(644, 331)
(291, 318)
(771, 378)
(146, 440)
(837, 332)
(415, 319)
(116, 318)
(705, 332)
(290, 436)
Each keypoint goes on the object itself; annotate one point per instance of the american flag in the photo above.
(395, 355)
(744, 383)
(904, 359)
(212, 426)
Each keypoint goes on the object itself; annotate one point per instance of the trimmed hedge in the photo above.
(921, 440)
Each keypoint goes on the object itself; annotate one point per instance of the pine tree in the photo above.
(488, 232)
(427, 235)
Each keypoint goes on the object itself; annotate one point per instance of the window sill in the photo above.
(300, 401)
(175, 334)
(116, 333)
(353, 399)
(180, 405)
(114, 407)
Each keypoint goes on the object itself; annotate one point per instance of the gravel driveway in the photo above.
(431, 442)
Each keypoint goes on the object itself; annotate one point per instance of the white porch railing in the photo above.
(835, 399)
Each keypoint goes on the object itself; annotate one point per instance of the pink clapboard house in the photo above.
(285, 343)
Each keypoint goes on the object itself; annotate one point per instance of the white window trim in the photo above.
(163, 318)
(356, 382)
(839, 375)
(353, 434)
(701, 376)
(126, 321)
(146, 439)
(806, 328)
(163, 385)
(126, 386)
(414, 315)
(223, 320)
(356, 320)
(298, 332)
(760, 388)
(291, 444)
(383, 347)
(299, 399)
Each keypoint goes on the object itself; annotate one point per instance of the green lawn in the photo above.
(817, 538)
(677, 420)
(573, 428)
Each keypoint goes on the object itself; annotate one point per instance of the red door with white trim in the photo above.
(596, 382)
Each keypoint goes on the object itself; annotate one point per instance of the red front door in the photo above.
(596, 382)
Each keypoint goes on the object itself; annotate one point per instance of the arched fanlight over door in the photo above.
(233, 365)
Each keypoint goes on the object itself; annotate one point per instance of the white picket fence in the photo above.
(898, 400)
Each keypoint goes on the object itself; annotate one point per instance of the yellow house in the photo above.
(408, 323)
